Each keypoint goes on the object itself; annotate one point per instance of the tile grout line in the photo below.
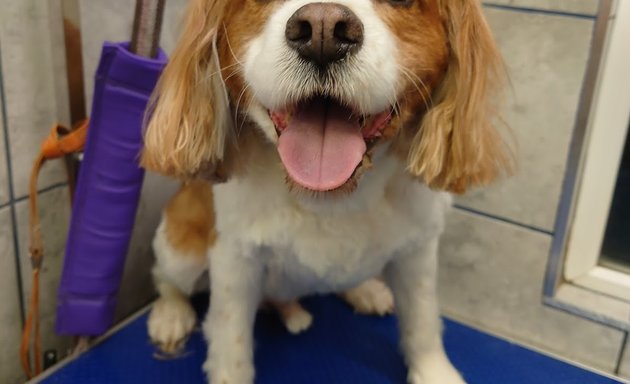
(622, 353)
(549, 12)
(11, 204)
(42, 190)
(504, 220)
(39, 192)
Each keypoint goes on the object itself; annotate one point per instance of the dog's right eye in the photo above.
(401, 2)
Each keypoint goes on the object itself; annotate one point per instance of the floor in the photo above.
(341, 347)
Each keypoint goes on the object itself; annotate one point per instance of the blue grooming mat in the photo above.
(340, 348)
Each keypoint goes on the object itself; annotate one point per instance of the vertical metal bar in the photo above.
(147, 27)
(74, 71)
(74, 59)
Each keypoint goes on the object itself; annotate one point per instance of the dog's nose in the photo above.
(324, 32)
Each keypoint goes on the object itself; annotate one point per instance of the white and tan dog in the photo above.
(339, 127)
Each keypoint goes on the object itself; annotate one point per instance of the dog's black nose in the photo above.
(324, 32)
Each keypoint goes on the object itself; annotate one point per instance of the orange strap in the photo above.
(32, 318)
(59, 143)
(63, 142)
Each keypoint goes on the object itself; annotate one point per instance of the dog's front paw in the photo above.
(170, 322)
(372, 297)
(437, 371)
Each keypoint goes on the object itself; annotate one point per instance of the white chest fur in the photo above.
(308, 246)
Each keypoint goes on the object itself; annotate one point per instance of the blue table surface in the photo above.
(340, 347)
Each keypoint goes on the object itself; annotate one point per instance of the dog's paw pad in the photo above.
(170, 323)
(372, 297)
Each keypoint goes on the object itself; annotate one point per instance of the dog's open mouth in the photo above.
(322, 142)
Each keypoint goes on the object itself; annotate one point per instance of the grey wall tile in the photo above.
(30, 60)
(4, 177)
(587, 7)
(54, 208)
(10, 308)
(113, 21)
(546, 58)
(491, 276)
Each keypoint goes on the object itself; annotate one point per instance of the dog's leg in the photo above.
(172, 317)
(372, 297)
(181, 246)
(235, 281)
(412, 277)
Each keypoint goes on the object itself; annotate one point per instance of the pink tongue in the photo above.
(321, 146)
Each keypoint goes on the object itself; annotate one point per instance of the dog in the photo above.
(334, 133)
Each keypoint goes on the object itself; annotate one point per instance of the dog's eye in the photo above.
(401, 2)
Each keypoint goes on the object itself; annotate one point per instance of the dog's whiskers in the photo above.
(219, 71)
(237, 108)
(234, 73)
(227, 39)
(424, 93)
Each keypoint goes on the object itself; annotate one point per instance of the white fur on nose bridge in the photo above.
(367, 79)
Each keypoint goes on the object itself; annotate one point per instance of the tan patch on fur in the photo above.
(190, 219)
(424, 49)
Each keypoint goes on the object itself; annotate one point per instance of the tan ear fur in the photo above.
(188, 117)
(457, 145)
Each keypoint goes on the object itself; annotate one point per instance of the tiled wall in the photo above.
(495, 249)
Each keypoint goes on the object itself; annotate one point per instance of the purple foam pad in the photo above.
(107, 193)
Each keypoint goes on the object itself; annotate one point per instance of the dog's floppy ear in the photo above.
(457, 145)
(188, 120)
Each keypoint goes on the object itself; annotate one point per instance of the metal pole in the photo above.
(146, 27)
(74, 71)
